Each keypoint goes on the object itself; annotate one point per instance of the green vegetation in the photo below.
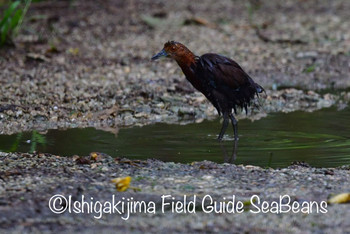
(11, 20)
(310, 68)
(36, 138)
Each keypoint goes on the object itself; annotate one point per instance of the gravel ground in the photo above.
(28, 181)
(87, 63)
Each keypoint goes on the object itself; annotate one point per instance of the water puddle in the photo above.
(321, 138)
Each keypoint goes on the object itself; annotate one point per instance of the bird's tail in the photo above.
(258, 102)
(258, 88)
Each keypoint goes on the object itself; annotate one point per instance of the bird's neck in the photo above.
(185, 61)
(188, 64)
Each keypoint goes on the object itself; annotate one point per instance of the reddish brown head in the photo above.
(177, 51)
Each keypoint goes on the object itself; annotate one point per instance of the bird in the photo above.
(222, 81)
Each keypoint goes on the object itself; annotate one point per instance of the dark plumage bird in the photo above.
(224, 83)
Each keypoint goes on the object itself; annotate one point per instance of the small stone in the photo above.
(19, 113)
(104, 169)
(307, 54)
(207, 177)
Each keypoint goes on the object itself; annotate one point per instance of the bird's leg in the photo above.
(224, 127)
(235, 130)
(224, 151)
(234, 125)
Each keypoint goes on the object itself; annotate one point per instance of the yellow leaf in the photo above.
(340, 198)
(94, 155)
(122, 184)
(73, 51)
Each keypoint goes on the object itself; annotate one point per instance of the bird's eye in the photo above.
(173, 48)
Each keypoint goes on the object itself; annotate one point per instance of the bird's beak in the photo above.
(162, 53)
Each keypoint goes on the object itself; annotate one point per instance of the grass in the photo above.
(11, 21)
(310, 68)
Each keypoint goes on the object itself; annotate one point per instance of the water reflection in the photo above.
(229, 158)
(321, 138)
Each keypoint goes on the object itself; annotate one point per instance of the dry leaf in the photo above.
(93, 155)
(37, 57)
(122, 184)
(199, 21)
(105, 114)
(75, 157)
(73, 51)
(82, 160)
(340, 198)
(96, 156)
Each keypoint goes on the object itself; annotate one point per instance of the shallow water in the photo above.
(321, 138)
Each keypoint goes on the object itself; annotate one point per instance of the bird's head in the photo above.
(174, 50)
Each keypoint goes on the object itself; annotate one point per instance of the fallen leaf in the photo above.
(82, 160)
(105, 114)
(95, 156)
(122, 184)
(93, 165)
(73, 51)
(151, 21)
(52, 49)
(75, 157)
(340, 198)
(199, 21)
(37, 57)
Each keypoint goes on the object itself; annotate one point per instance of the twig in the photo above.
(264, 38)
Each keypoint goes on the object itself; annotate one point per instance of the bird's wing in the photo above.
(218, 71)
